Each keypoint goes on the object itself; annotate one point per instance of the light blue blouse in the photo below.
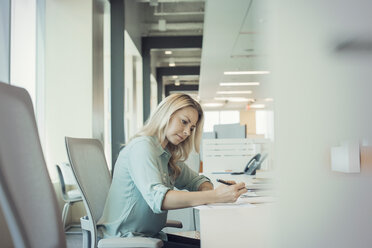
(141, 180)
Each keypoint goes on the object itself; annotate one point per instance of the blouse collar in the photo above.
(159, 149)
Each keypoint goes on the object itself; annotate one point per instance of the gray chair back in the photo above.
(89, 165)
(88, 162)
(27, 196)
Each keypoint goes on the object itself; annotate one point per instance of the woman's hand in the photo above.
(229, 193)
(175, 199)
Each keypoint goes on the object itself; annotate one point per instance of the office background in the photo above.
(319, 54)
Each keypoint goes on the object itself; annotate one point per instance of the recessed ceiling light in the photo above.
(234, 99)
(168, 52)
(172, 64)
(235, 92)
(239, 83)
(174, 77)
(257, 106)
(213, 104)
(245, 72)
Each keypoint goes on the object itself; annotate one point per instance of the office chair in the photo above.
(69, 196)
(27, 196)
(88, 163)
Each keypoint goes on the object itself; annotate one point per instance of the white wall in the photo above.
(68, 76)
(107, 84)
(323, 96)
(153, 93)
(4, 40)
(133, 88)
(265, 123)
(26, 50)
(23, 46)
(134, 17)
(139, 92)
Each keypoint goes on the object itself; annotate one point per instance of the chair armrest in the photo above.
(130, 242)
(173, 223)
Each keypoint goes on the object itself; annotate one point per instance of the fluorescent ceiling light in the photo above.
(172, 64)
(245, 72)
(213, 104)
(235, 92)
(257, 106)
(234, 99)
(162, 25)
(168, 52)
(239, 83)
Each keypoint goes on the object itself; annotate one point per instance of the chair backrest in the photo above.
(62, 182)
(89, 165)
(27, 196)
(66, 177)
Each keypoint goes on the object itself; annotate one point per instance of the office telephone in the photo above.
(252, 165)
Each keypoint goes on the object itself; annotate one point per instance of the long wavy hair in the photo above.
(158, 123)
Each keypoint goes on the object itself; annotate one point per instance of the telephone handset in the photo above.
(251, 166)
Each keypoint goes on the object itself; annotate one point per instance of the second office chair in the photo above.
(70, 197)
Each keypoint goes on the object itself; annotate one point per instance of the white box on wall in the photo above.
(346, 157)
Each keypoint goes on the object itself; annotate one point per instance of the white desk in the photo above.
(236, 227)
(247, 226)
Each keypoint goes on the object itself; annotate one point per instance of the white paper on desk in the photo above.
(249, 194)
(259, 193)
(256, 200)
(261, 186)
(240, 203)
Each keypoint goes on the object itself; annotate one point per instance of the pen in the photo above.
(224, 182)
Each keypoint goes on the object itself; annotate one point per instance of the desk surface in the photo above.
(247, 179)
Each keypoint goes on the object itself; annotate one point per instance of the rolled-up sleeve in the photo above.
(145, 173)
(189, 179)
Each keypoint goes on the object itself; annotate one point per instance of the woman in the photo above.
(151, 165)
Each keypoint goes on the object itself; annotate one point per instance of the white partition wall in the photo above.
(322, 74)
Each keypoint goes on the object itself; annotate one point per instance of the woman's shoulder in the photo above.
(143, 142)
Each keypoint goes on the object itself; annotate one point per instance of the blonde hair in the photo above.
(158, 123)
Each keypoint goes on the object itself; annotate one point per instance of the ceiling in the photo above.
(175, 18)
(233, 40)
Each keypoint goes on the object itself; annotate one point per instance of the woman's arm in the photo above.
(183, 199)
(205, 186)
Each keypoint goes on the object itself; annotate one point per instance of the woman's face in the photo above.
(181, 125)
